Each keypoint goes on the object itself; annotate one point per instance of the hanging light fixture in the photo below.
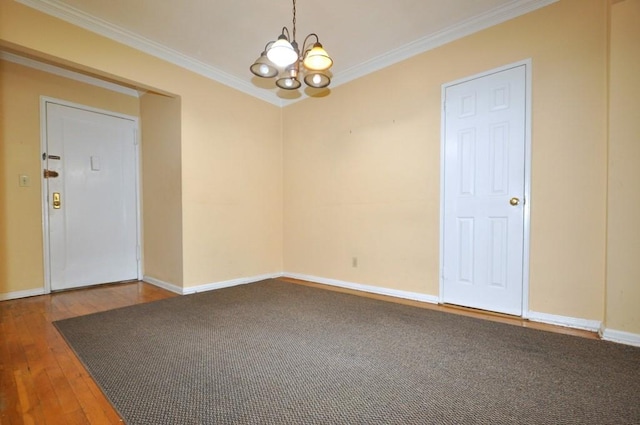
(282, 58)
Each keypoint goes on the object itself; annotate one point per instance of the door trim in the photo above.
(527, 176)
(44, 100)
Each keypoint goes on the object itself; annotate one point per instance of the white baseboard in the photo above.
(22, 294)
(162, 284)
(569, 322)
(621, 337)
(366, 288)
(228, 283)
(209, 286)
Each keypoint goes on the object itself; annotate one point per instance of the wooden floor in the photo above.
(41, 380)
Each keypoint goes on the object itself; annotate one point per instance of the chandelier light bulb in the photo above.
(317, 79)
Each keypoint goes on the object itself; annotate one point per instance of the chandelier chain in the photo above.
(294, 20)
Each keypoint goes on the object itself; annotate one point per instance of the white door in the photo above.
(92, 203)
(484, 188)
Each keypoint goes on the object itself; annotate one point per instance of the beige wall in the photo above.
(232, 185)
(21, 252)
(230, 149)
(160, 119)
(623, 236)
(364, 180)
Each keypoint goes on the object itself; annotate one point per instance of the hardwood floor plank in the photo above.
(28, 409)
(11, 340)
(9, 400)
(76, 417)
(47, 398)
(63, 391)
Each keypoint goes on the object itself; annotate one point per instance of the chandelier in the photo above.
(282, 58)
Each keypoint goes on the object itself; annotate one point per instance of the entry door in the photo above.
(484, 187)
(90, 159)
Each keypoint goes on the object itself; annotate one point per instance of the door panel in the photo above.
(93, 235)
(484, 168)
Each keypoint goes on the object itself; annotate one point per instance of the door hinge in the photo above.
(138, 252)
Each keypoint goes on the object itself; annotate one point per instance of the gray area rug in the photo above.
(273, 352)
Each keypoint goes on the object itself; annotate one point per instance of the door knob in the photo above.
(514, 201)
(56, 201)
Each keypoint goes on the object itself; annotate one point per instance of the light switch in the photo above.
(95, 163)
(24, 180)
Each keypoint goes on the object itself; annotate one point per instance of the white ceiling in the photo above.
(221, 38)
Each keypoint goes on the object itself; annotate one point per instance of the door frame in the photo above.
(527, 175)
(44, 100)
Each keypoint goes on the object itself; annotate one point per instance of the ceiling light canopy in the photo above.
(282, 58)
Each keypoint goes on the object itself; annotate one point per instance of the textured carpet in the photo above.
(278, 353)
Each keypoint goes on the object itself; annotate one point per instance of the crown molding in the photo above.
(440, 38)
(91, 23)
(462, 29)
(437, 39)
(51, 69)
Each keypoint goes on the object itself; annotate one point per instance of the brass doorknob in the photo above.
(514, 201)
(56, 201)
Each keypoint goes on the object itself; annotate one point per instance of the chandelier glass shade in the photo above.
(317, 80)
(282, 59)
(288, 80)
(282, 53)
(317, 58)
(262, 67)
